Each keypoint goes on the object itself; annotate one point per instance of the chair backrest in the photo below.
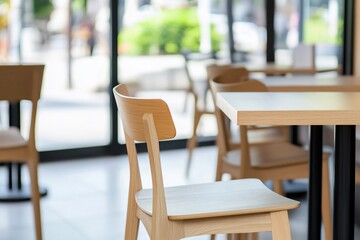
(227, 72)
(221, 119)
(145, 120)
(304, 56)
(22, 82)
(224, 84)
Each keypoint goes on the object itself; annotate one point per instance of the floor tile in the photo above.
(87, 198)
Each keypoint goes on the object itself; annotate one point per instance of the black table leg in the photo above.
(10, 182)
(344, 186)
(18, 173)
(315, 173)
(15, 191)
(294, 135)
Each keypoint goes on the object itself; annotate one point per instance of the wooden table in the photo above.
(312, 84)
(276, 69)
(315, 109)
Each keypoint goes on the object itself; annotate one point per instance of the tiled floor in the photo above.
(87, 198)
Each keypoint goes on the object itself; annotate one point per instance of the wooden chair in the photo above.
(198, 89)
(202, 109)
(17, 83)
(178, 212)
(225, 74)
(275, 161)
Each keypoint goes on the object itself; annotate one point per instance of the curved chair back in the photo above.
(238, 73)
(132, 111)
(146, 120)
(22, 82)
(225, 84)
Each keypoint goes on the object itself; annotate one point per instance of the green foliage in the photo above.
(340, 32)
(168, 32)
(79, 5)
(316, 30)
(42, 8)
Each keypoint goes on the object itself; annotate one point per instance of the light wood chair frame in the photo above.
(149, 120)
(268, 134)
(213, 70)
(17, 83)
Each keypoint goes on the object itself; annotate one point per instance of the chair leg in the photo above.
(186, 101)
(278, 187)
(35, 197)
(192, 142)
(212, 237)
(249, 236)
(239, 236)
(219, 172)
(326, 201)
(357, 174)
(254, 236)
(132, 223)
(280, 225)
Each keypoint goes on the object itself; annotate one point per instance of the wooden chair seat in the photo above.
(207, 200)
(11, 138)
(270, 155)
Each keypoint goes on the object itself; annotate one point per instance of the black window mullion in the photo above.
(230, 20)
(348, 38)
(270, 30)
(114, 23)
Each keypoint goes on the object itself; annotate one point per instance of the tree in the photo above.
(42, 9)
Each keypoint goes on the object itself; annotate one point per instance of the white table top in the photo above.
(291, 108)
(313, 84)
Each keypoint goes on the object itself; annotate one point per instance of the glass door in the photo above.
(311, 22)
(71, 39)
(157, 40)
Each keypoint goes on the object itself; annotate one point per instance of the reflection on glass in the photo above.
(318, 23)
(153, 44)
(71, 39)
(250, 30)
